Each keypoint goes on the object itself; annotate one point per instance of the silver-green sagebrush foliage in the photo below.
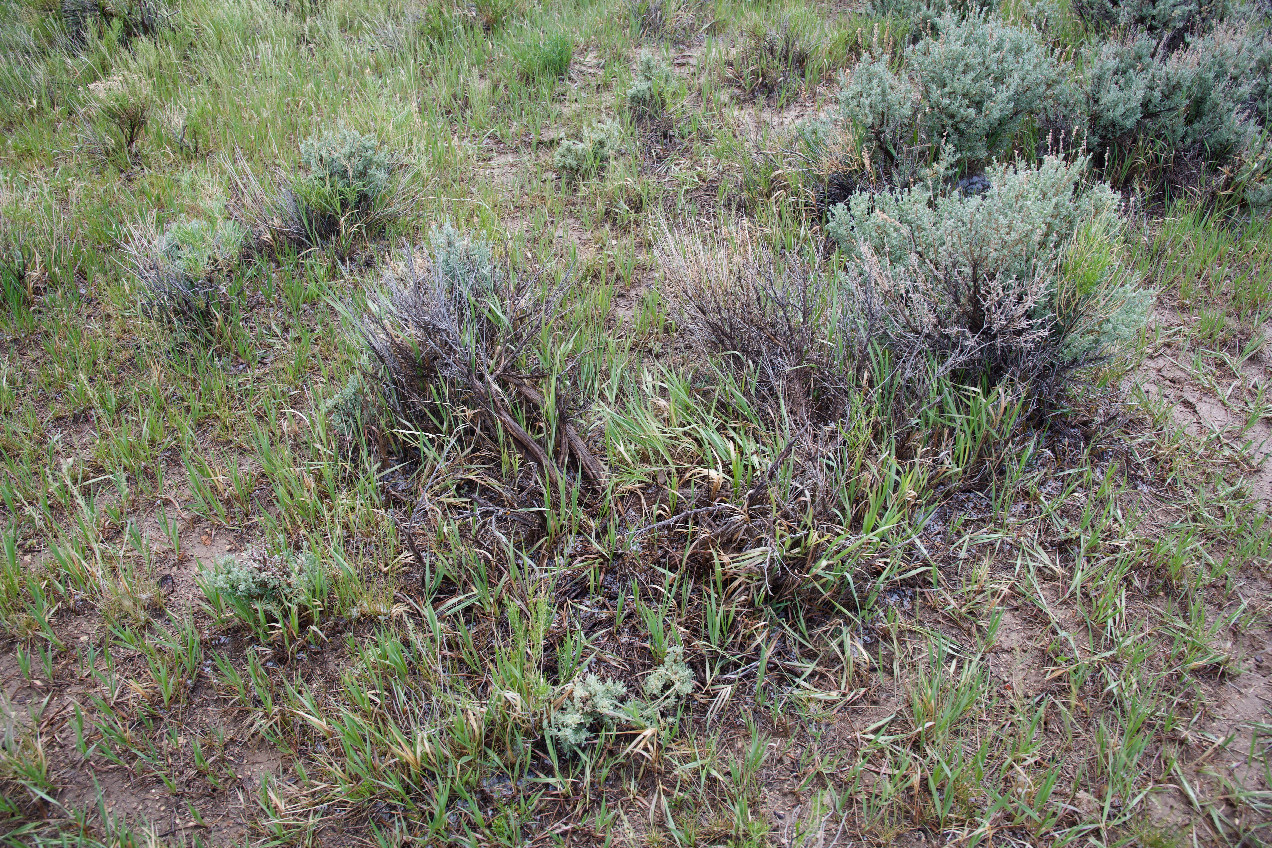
(593, 703)
(580, 158)
(183, 269)
(970, 88)
(344, 171)
(983, 285)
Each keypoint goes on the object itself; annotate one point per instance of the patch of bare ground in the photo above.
(1216, 399)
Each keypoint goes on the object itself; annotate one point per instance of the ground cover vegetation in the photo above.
(635, 422)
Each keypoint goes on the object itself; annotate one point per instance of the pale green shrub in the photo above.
(647, 96)
(270, 582)
(183, 269)
(231, 579)
(1205, 102)
(970, 89)
(592, 701)
(578, 159)
(980, 81)
(344, 170)
(193, 247)
(986, 287)
(922, 15)
(671, 681)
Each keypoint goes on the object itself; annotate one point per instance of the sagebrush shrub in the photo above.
(272, 583)
(233, 580)
(453, 329)
(1205, 102)
(344, 171)
(118, 118)
(980, 81)
(183, 269)
(345, 185)
(1165, 20)
(589, 156)
(593, 701)
(922, 15)
(982, 285)
(647, 96)
(970, 88)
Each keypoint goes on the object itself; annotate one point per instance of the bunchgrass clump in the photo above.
(544, 60)
(671, 20)
(770, 63)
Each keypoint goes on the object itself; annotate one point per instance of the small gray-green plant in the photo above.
(922, 15)
(232, 580)
(592, 702)
(589, 156)
(670, 682)
(344, 184)
(183, 269)
(1165, 20)
(261, 590)
(647, 96)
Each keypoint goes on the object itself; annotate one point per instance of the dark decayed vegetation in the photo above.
(634, 422)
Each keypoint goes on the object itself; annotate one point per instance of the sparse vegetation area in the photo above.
(637, 422)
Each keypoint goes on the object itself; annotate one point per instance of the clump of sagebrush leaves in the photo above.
(264, 582)
(345, 178)
(970, 89)
(647, 96)
(1208, 101)
(589, 156)
(592, 703)
(1017, 280)
(184, 269)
